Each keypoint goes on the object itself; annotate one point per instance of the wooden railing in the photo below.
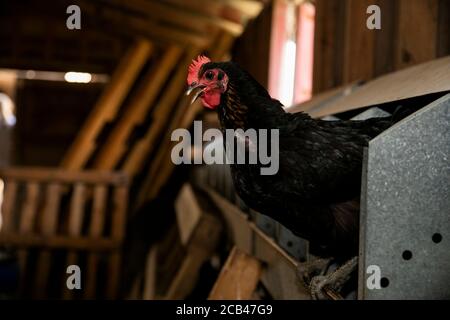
(53, 218)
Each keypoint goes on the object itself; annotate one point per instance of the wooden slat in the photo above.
(48, 227)
(44, 174)
(115, 146)
(120, 197)
(120, 200)
(238, 278)
(188, 212)
(417, 32)
(150, 278)
(96, 229)
(422, 79)
(321, 99)
(108, 104)
(328, 45)
(27, 217)
(200, 248)
(26, 225)
(359, 42)
(76, 216)
(279, 276)
(9, 199)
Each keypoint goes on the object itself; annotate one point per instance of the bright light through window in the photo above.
(286, 85)
(78, 77)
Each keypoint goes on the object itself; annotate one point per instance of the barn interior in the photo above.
(92, 91)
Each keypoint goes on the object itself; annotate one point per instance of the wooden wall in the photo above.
(412, 31)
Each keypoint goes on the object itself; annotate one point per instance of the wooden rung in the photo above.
(9, 199)
(238, 278)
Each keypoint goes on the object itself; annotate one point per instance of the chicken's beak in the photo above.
(191, 88)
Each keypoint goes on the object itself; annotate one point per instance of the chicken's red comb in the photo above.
(194, 68)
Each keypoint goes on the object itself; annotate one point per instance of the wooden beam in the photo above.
(238, 278)
(162, 112)
(108, 105)
(123, 22)
(185, 18)
(116, 144)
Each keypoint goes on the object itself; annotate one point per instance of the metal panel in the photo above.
(405, 221)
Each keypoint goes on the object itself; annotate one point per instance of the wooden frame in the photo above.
(78, 213)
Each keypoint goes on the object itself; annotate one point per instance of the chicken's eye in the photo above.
(209, 75)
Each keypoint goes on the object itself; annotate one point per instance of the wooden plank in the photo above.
(120, 202)
(417, 32)
(238, 278)
(359, 42)
(202, 245)
(237, 222)
(9, 199)
(151, 266)
(384, 38)
(422, 79)
(321, 99)
(328, 45)
(26, 225)
(114, 267)
(95, 230)
(188, 213)
(45, 174)
(59, 242)
(184, 18)
(76, 216)
(27, 218)
(116, 144)
(280, 275)
(108, 104)
(48, 227)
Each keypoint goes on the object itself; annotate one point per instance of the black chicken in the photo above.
(316, 191)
